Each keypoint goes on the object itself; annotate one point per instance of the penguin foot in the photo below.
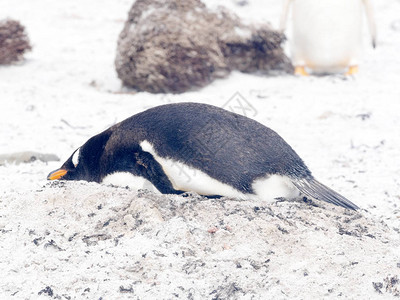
(300, 70)
(352, 70)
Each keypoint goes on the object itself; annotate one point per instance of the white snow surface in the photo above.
(78, 240)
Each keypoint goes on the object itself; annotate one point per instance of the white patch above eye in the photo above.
(128, 179)
(75, 157)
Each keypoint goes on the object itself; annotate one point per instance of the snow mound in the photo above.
(76, 239)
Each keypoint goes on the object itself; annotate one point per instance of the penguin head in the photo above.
(84, 163)
(71, 169)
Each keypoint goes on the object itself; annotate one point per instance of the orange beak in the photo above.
(57, 174)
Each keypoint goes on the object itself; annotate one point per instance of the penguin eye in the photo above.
(75, 157)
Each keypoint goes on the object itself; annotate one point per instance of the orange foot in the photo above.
(352, 70)
(300, 70)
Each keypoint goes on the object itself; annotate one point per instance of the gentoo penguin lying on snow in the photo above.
(326, 35)
(233, 156)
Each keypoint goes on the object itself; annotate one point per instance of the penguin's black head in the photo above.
(84, 163)
(72, 169)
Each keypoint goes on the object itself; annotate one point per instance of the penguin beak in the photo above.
(57, 174)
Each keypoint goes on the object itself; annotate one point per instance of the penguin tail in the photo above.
(316, 190)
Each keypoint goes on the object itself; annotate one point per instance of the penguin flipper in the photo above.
(144, 165)
(316, 190)
(153, 172)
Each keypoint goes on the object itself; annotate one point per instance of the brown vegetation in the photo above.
(14, 41)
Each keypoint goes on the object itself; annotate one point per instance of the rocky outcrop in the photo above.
(14, 41)
(175, 46)
(120, 243)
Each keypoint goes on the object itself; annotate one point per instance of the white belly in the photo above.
(186, 178)
(326, 34)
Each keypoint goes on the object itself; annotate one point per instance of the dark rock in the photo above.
(392, 285)
(52, 244)
(14, 41)
(227, 291)
(175, 46)
(92, 240)
(47, 291)
(123, 289)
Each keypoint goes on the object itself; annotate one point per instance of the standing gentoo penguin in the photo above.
(326, 35)
(232, 156)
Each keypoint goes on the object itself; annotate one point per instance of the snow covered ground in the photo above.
(81, 240)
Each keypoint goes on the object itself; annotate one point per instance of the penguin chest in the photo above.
(326, 34)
